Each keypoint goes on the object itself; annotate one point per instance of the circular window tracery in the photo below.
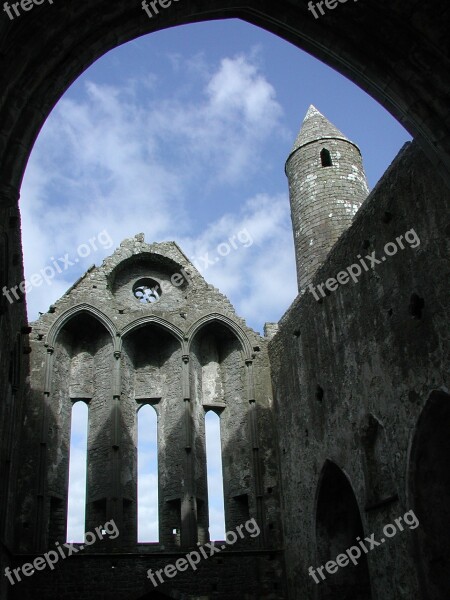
(147, 291)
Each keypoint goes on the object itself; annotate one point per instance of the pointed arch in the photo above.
(234, 327)
(338, 523)
(75, 311)
(151, 374)
(429, 483)
(81, 338)
(165, 325)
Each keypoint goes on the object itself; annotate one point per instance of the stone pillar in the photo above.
(188, 500)
(257, 471)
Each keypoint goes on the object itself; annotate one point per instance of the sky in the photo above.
(183, 135)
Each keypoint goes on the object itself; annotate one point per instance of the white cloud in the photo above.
(238, 112)
(258, 273)
(129, 159)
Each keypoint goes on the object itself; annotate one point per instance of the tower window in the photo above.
(325, 157)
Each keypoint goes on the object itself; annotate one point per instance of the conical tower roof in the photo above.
(316, 127)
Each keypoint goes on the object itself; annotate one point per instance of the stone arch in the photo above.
(429, 479)
(79, 370)
(164, 325)
(406, 76)
(220, 382)
(151, 373)
(228, 323)
(338, 523)
(75, 311)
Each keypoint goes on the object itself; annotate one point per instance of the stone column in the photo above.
(257, 471)
(188, 500)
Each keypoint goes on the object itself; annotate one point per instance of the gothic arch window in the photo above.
(147, 453)
(325, 158)
(219, 385)
(430, 487)
(76, 499)
(81, 374)
(338, 524)
(214, 474)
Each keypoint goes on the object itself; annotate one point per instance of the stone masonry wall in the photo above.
(323, 200)
(186, 353)
(353, 371)
(14, 367)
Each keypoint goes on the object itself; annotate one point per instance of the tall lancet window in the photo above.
(76, 508)
(215, 476)
(325, 158)
(148, 517)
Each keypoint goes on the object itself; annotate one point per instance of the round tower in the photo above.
(327, 185)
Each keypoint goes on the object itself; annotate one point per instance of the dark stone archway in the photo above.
(430, 486)
(338, 524)
(396, 52)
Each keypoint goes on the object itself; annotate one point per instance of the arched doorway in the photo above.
(430, 487)
(338, 524)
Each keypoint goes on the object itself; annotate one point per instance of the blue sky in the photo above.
(183, 135)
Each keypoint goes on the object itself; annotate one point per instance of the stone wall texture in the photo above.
(352, 375)
(360, 379)
(184, 354)
(333, 427)
(327, 185)
(14, 369)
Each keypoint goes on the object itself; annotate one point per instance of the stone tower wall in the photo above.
(352, 373)
(323, 200)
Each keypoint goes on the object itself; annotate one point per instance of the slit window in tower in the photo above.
(325, 157)
(76, 504)
(215, 477)
(147, 450)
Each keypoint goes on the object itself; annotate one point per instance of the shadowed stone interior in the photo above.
(359, 379)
